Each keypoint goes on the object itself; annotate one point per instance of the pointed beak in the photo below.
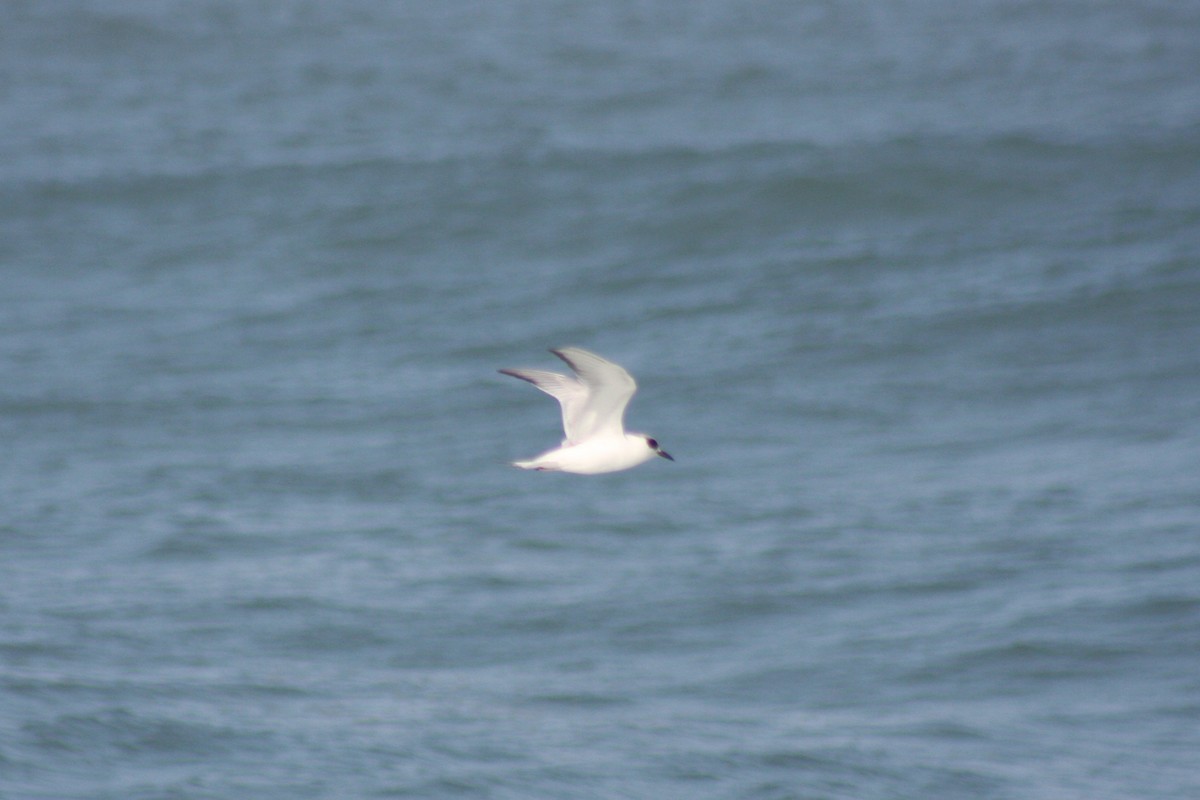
(665, 455)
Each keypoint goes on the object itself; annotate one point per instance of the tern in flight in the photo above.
(593, 402)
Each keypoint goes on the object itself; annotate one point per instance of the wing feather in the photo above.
(568, 391)
(608, 391)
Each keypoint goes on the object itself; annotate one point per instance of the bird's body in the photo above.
(593, 403)
(593, 456)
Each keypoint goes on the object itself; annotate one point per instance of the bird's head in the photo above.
(653, 445)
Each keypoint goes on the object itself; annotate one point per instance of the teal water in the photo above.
(912, 292)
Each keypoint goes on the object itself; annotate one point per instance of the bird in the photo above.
(593, 403)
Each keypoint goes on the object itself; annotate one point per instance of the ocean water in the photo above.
(912, 291)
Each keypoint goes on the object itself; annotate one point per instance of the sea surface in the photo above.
(912, 292)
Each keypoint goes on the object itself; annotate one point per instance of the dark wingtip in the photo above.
(514, 374)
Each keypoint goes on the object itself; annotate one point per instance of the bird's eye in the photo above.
(653, 444)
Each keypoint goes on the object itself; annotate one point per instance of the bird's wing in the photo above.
(569, 392)
(608, 388)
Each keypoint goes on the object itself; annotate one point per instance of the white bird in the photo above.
(593, 403)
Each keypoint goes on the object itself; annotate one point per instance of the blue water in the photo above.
(912, 291)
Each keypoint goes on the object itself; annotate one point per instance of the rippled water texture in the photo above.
(912, 292)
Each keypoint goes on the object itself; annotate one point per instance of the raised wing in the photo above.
(568, 391)
(608, 388)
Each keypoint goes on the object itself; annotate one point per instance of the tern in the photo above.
(593, 402)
